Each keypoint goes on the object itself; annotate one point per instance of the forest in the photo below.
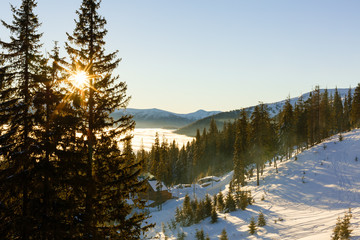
(254, 139)
(63, 174)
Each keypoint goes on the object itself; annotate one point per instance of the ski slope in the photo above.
(302, 200)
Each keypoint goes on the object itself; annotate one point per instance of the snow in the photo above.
(302, 200)
(153, 184)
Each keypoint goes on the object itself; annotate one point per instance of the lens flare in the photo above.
(79, 79)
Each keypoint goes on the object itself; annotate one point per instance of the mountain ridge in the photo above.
(158, 118)
(222, 117)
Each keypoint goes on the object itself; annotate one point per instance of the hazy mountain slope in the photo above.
(157, 118)
(302, 200)
(220, 118)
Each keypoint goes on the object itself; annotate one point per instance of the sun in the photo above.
(79, 79)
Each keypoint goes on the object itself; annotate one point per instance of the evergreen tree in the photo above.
(313, 105)
(230, 204)
(252, 226)
(178, 215)
(342, 228)
(336, 230)
(106, 168)
(187, 212)
(286, 131)
(240, 148)
(220, 202)
(22, 60)
(207, 206)
(200, 235)
(214, 216)
(223, 235)
(339, 120)
(181, 236)
(200, 211)
(345, 230)
(301, 124)
(261, 220)
(262, 135)
(325, 115)
(347, 114)
(49, 132)
(355, 108)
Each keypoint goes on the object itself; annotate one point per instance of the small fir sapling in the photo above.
(261, 220)
(252, 226)
(181, 236)
(200, 235)
(341, 137)
(223, 235)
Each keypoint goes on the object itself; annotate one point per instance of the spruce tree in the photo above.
(355, 108)
(339, 121)
(214, 216)
(220, 202)
(200, 235)
(49, 131)
(301, 124)
(345, 230)
(181, 236)
(240, 148)
(261, 220)
(207, 206)
(262, 135)
(21, 63)
(187, 211)
(252, 226)
(223, 235)
(286, 130)
(325, 115)
(230, 204)
(109, 173)
(336, 230)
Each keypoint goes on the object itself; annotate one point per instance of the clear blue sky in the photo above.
(219, 55)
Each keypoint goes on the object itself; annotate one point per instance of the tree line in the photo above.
(62, 172)
(254, 138)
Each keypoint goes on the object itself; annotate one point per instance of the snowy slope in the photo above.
(308, 194)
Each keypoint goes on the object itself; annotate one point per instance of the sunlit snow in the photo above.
(301, 201)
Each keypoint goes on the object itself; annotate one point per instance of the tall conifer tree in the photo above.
(355, 108)
(21, 64)
(286, 130)
(111, 177)
(339, 121)
(241, 148)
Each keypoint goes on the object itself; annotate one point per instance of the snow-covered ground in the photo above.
(308, 194)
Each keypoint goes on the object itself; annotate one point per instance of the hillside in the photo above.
(157, 118)
(220, 118)
(308, 194)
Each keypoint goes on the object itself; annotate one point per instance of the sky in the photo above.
(186, 55)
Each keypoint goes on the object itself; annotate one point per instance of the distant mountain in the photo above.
(157, 118)
(274, 109)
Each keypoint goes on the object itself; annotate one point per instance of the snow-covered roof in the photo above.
(208, 179)
(153, 185)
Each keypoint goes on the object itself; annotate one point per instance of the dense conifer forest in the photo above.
(246, 144)
(62, 172)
